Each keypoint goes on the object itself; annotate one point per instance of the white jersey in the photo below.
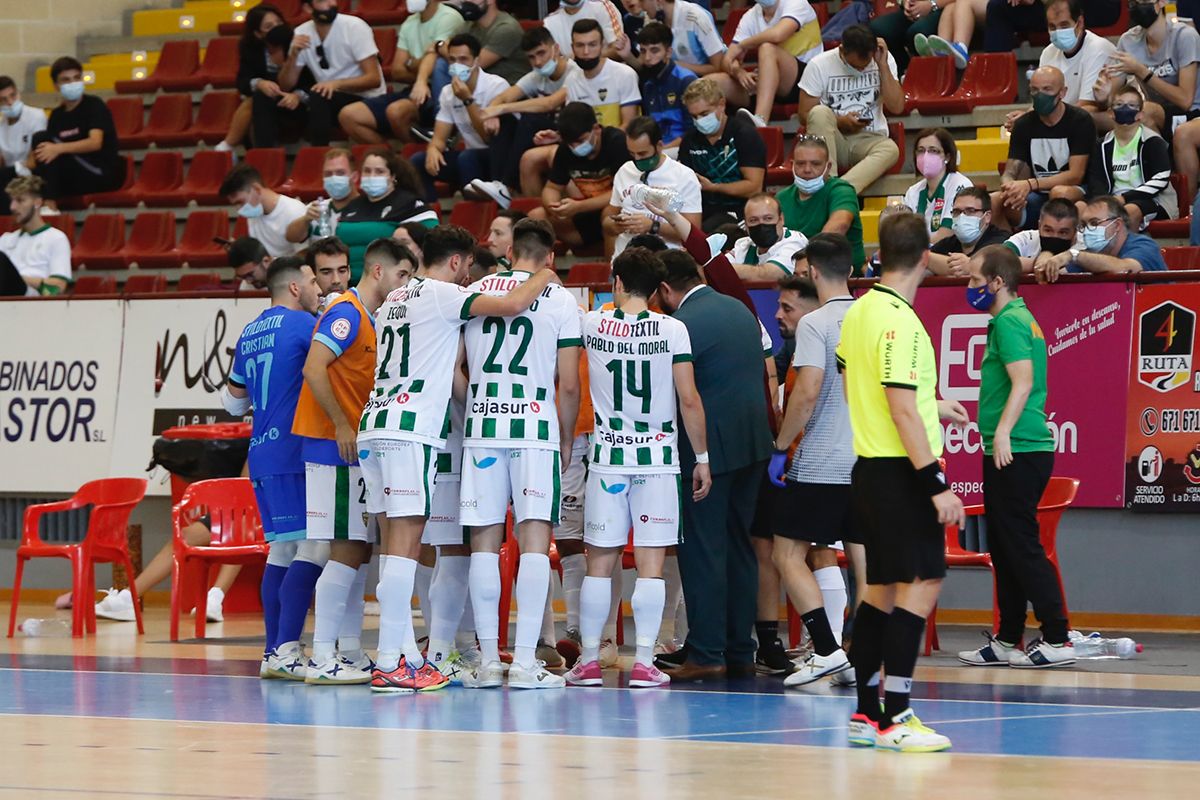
(416, 330)
(449, 460)
(512, 363)
(630, 364)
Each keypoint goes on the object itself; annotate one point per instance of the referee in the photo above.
(1018, 459)
(899, 498)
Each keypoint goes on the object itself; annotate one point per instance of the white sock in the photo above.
(533, 583)
(395, 609)
(350, 631)
(614, 603)
(547, 633)
(833, 593)
(484, 578)
(465, 638)
(649, 597)
(573, 570)
(595, 598)
(674, 596)
(332, 593)
(447, 596)
(423, 580)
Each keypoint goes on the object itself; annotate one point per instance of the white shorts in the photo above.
(399, 476)
(574, 485)
(443, 527)
(491, 476)
(648, 503)
(336, 503)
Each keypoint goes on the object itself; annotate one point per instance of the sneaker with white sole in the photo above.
(213, 606)
(480, 189)
(485, 676)
(939, 46)
(452, 666)
(334, 672)
(906, 734)
(549, 655)
(758, 121)
(863, 731)
(116, 606)
(921, 44)
(816, 667)
(1043, 655)
(290, 664)
(264, 667)
(647, 676)
(609, 654)
(585, 673)
(845, 678)
(537, 678)
(993, 654)
(357, 659)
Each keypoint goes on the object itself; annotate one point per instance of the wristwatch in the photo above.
(470, 101)
(1074, 251)
(655, 227)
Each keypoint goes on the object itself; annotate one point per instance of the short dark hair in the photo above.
(998, 261)
(655, 33)
(416, 231)
(7, 83)
(1115, 207)
(644, 125)
(468, 41)
(485, 262)
(650, 241)
(533, 240)
(982, 195)
(1058, 208)
(445, 241)
(534, 38)
(239, 179)
(682, 270)
(246, 250)
(280, 36)
(385, 248)
(859, 40)
(1074, 7)
(587, 26)
(800, 285)
(63, 64)
(947, 144)
(512, 215)
(329, 246)
(1127, 88)
(831, 253)
(283, 271)
(640, 271)
(574, 121)
(902, 239)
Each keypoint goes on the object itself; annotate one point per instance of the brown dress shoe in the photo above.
(691, 672)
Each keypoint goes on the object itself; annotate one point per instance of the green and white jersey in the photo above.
(448, 461)
(417, 330)
(512, 363)
(630, 369)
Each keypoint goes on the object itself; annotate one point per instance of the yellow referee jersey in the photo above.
(885, 345)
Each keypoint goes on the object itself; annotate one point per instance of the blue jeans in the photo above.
(461, 167)
(439, 80)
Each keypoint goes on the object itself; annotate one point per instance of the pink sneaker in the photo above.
(585, 674)
(647, 676)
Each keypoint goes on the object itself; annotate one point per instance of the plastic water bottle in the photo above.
(662, 198)
(325, 220)
(45, 627)
(1094, 645)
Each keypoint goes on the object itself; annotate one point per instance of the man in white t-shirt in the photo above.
(626, 215)
(843, 96)
(267, 212)
(766, 253)
(786, 35)
(18, 124)
(460, 109)
(608, 86)
(560, 22)
(38, 254)
(1077, 52)
(340, 52)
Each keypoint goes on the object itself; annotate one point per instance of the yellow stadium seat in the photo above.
(870, 223)
(981, 155)
(196, 15)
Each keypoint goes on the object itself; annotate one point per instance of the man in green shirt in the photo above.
(818, 203)
(1018, 458)
(500, 34)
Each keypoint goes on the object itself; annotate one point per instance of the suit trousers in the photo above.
(719, 570)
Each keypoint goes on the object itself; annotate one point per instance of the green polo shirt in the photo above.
(809, 216)
(1013, 335)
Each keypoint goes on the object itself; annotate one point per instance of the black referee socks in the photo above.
(900, 646)
(866, 654)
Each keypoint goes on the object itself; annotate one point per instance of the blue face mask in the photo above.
(583, 149)
(337, 186)
(708, 123)
(547, 70)
(809, 185)
(460, 71)
(967, 229)
(13, 111)
(1064, 39)
(71, 91)
(980, 298)
(251, 211)
(767, 3)
(1094, 238)
(374, 186)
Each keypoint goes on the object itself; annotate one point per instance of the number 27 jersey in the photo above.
(630, 362)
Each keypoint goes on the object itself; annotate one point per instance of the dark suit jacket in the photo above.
(728, 360)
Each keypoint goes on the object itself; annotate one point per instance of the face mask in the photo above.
(569, 4)
(708, 123)
(980, 298)
(1064, 39)
(250, 211)
(1124, 115)
(646, 164)
(374, 185)
(1044, 104)
(417, 6)
(13, 111)
(1144, 14)
(71, 91)
(583, 149)
(767, 3)
(460, 71)
(930, 165)
(1054, 245)
(588, 64)
(547, 70)
(325, 17)
(653, 71)
(1094, 238)
(763, 236)
(809, 185)
(471, 11)
(967, 229)
(337, 186)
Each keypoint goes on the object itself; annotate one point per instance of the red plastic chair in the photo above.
(773, 138)
(151, 243)
(198, 247)
(178, 60)
(89, 285)
(200, 282)
(100, 242)
(214, 117)
(112, 500)
(385, 40)
(990, 79)
(169, 120)
(1182, 257)
(203, 183)
(162, 172)
(306, 181)
(219, 69)
(271, 163)
(116, 198)
(927, 77)
(65, 223)
(1175, 228)
(474, 215)
(9, 223)
(237, 538)
(382, 12)
(525, 204)
(731, 23)
(896, 133)
(587, 272)
(127, 114)
(148, 283)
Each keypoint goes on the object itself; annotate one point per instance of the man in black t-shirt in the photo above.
(587, 160)
(727, 154)
(77, 153)
(973, 231)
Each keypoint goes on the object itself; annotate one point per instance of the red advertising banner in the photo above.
(1163, 429)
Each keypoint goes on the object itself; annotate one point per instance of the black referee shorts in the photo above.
(817, 513)
(898, 523)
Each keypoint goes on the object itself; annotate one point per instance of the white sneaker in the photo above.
(993, 654)
(212, 606)
(116, 606)
(264, 667)
(358, 660)
(536, 678)
(907, 735)
(485, 676)
(472, 657)
(334, 671)
(844, 678)
(1041, 655)
(758, 121)
(489, 190)
(816, 667)
(289, 665)
(452, 666)
(609, 654)
(223, 147)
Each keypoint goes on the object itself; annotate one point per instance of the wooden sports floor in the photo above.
(122, 716)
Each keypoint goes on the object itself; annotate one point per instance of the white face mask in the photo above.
(417, 6)
(13, 111)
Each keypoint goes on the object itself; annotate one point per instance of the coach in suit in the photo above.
(716, 560)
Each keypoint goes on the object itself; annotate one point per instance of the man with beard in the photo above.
(35, 258)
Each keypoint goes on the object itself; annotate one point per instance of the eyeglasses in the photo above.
(1096, 223)
(324, 62)
(970, 212)
(933, 151)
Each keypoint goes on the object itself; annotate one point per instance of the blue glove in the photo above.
(778, 467)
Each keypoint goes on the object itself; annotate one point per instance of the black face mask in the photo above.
(325, 17)
(471, 11)
(654, 72)
(763, 235)
(1055, 245)
(1144, 14)
(588, 64)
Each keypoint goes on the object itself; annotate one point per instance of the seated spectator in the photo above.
(697, 44)
(38, 254)
(765, 253)
(250, 262)
(499, 238)
(17, 128)
(936, 159)
(663, 84)
(560, 22)
(267, 213)
(1006, 18)
(77, 153)
(1109, 245)
(330, 262)
(908, 29)
(499, 34)
(955, 30)
(843, 96)
(816, 202)
(340, 181)
(972, 230)
(340, 52)
(266, 109)
(786, 36)
(1049, 147)
(581, 179)
(391, 196)
(610, 87)
(1057, 232)
(727, 153)
(412, 236)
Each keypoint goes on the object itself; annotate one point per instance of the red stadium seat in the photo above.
(86, 285)
(1182, 257)
(202, 184)
(178, 60)
(773, 138)
(219, 69)
(151, 243)
(9, 223)
(119, 197)
(589, 272)
(381, 12)
(474, 215)
(525, 204)
(162, 171)
(65, 223)
(927, 76)
(198, 246)
(199, 282)
(214, 117)
(306, 181)
(127, 114)
(385, 40)
(240, 228)
(1175, 228)
(146, 283)
(169, 121)
(731, 23)
(896, 133)
(271, 163)
(990, 79)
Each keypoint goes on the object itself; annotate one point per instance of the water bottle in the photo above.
(45, 627)
(325, 219)
(1094, 645)
(662, 198)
